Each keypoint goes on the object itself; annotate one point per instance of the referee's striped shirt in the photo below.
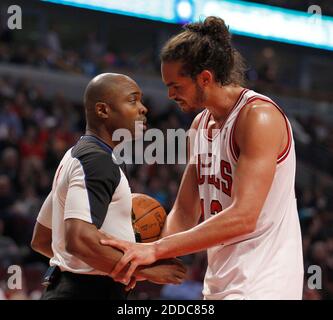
(90, 186)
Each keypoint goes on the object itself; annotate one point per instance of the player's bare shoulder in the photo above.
(261, 117)
(261, 111)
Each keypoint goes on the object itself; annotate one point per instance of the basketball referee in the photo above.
(90, 195)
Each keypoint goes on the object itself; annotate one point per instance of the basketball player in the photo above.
(241, 176)
(90, 193)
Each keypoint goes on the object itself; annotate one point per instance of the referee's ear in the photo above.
(102, 110)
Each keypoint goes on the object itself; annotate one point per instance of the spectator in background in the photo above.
(9, 252)
(52, 41)
(7, 196)
(10, 122)
(10, 166)
(267, 67)
(93, 48)
(31, 146)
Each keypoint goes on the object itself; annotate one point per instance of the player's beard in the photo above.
(198, 101)
(200, 97)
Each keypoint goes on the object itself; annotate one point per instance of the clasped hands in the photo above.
(139, 263)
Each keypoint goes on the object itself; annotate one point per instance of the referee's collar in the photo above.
(99, 141)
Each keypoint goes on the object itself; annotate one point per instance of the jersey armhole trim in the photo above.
(232, 142)
(201, 117)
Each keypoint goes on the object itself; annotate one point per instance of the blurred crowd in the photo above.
(316, 141)
(93, 57)
(267, 68)
(35, 132)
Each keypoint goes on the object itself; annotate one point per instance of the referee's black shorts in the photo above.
(72, 286)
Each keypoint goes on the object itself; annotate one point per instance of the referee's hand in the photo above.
(169, 271)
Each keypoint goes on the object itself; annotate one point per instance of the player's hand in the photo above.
(135, 254)
(131, 284)
(164, 271)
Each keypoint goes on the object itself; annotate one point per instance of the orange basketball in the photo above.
(148, 217)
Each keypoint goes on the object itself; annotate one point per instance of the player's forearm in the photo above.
(185, 213)
(214, 231)
(174, 224)
(179, 220)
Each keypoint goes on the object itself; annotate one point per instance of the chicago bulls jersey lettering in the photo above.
(206, 173)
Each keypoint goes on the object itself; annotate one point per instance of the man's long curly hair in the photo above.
(206, 46)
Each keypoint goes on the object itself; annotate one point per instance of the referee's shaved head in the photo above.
(113, 101)
(104, 88)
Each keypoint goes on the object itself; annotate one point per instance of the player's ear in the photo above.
(205, 77)
(102, 110)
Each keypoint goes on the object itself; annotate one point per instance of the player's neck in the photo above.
(223, 100)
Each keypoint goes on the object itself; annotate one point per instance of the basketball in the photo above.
(148, 217)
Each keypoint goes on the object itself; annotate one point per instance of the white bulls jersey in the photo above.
(267, 263)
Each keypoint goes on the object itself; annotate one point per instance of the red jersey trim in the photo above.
(232, 142)
(201, 117)
(209, 115)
